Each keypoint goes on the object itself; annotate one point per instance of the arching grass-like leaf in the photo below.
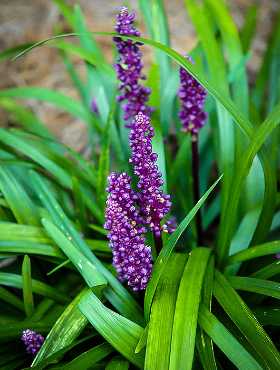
(256, 251)
(259, 286)
(120, 332)
(267, 271)
(86, 268)
(26, 118)
(12, 299)
(186, 310)
(244, 319)
(19, 201)
(162, 315)
(66, 329)
(167, 249)
(16, 281)
(88, 358)
(226, 341)
(204, 342)
(60, 100)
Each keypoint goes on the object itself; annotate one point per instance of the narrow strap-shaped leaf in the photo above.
(86, 268)
(66, 10)
(12, 231)
(42, 308)
(256, 251)
(259, 286)
(120, 332)
(32, 152)
(162, 315)
(27, 286)
(19, 201)
(249, 26)
(77, 82)
(167, 249)
(268, 316)
(267, 271)
(88, 358)
(12, 52)
(204, 343)
(65, 330)
(11, 298)
(16, 281)
(244, 319)
(143, 340)
(244, 166)
(60, 100)
(25, 246)
(25, 118)
(117, 363)
(56, 356)
(186, 310)
(83, 54)
(226, 341)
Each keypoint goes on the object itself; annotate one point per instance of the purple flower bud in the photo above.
(153, 203)
(129, 68)
(170, 225)
(131, 257)
(94, 107)
(192, 96)
(32, 341)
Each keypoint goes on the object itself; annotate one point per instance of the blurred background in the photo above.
(23, 21)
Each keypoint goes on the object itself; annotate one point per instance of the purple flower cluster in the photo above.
(192, 96)
(129, 68)
(153, 203)
(131, 257)
(32, 341)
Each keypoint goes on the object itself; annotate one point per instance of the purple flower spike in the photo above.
(192, 96)
(129, 68)
(32, 341)
(131, 257)
(153, 203)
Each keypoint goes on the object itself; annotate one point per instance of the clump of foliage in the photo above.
(209, 289)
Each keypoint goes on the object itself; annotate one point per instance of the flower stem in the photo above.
(196, 192)
(158, 243)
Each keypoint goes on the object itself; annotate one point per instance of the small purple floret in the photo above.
(131, 257)
(94, 107)
(170, 225)
(153, 203)
(32, 341)
(129, 68)
(192, 96)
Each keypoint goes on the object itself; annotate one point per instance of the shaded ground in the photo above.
(24, 21)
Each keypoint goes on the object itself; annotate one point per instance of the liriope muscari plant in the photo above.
(95, 272)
